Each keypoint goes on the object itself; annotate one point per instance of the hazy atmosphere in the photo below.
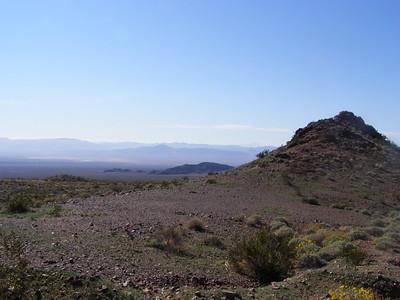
(214, 72)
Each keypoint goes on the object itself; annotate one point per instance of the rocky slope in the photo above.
(338, 161)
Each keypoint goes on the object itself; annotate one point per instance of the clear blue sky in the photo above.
(222, 72)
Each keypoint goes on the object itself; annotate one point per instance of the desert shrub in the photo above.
(334, 235)
(333, 250)
(196, 224)
(385, 243)
(14, 284)
(338, 206)
(262, 154)
(378, 223)
(374, 231)
(285, 232)
(354, 255)
(395, 236)
(311, 201)
(282, 219)
(211, 181)
(303, 246)
(55, 210)
(311, 261)
(314, 227)
(357, 235)
(18, 204)
(66, 178)
(317, 237)
(253, 221)
(393, 226)
(169, 239)
(213, 241)
(264, 256)
(351, 293)
(117, 188)
(278, 223)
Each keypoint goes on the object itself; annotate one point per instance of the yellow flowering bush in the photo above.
(303, 246)
(344, 292)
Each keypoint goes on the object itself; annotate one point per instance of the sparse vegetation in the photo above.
(253, 221)
(385, 243)
(311, 201)
(55, 210)
(264, 256)
(169, 239)
(211, 181)
(13, 282)
(214, 241)
(196, 224)
(18, 204)
(357, 235)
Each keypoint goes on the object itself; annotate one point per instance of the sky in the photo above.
(217, 72)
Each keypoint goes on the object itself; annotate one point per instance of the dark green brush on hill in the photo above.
(202, 168)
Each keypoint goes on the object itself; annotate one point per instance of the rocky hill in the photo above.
(202, 168)
(338, 161)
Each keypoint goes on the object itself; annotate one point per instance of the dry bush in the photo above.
(264, 256)
(169, 239)
(196, 224)
(211, 181)
(253, 221)
(213, 241)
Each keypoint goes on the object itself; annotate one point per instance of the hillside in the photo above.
(337, 161)
(329, 201)
(201, 168)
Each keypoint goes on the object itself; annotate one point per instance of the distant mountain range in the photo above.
(202, 168)
(169, 154)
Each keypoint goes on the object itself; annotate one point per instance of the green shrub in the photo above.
(18, 204)
(385, 243)
(374, 231)
(354, 255)
(264, 256)
(211, 181)
(378, 223)
(357, 235)
(196, 224)
(55, 210)
(333, 250)
(311, 261)
(395, 236)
